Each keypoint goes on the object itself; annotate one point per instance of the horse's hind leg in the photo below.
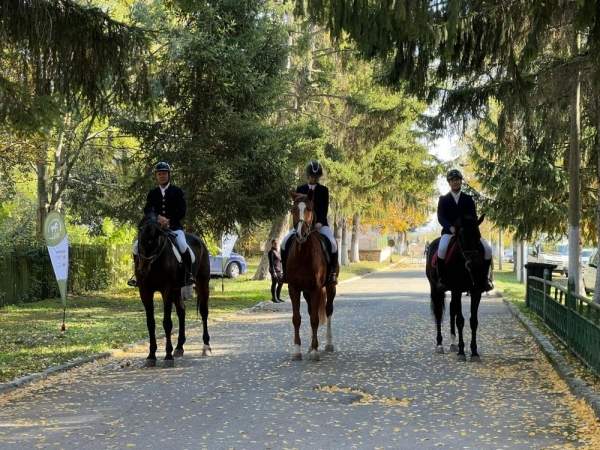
(475, 299)
(316, 297)
(453, 313)
(329, 311)
(296, 320)
(460, 324)
(180, 308)
(168, 327)
(202, 291)
(148, 301)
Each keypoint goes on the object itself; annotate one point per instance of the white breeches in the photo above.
(325, 231)
(182, 245)
(445, 241)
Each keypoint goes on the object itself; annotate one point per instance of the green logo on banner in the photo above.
(54, 229)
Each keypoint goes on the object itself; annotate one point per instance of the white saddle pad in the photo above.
(178, 255)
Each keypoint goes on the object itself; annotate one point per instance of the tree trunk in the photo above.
(574, 169)
(519, 262)
(597, 284)
(42, 195)
(354, 250)
(337, 233)
(344, 248)
(500, 249)
(278, 229)
(515, 246)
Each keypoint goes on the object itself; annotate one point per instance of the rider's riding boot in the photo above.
(486, 281)
(334, 268)
(283, 254)
(188, 276)
(441, 272)
(132, 281)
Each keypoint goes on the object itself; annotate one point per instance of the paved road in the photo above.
(384, 387)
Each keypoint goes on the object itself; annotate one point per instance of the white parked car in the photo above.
(560, 258)
(589, 272)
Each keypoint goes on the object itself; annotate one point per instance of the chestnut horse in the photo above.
(157, 270)
(307, 275)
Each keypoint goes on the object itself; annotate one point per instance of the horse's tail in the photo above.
(322, 309)
(438, 303)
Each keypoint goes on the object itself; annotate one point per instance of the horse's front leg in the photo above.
(317, 296)
(168, 327)
(438, 297)
(475, 299)
(148, 302)
(453, 313)
(460, 324)
(180, 308)
(296, 320)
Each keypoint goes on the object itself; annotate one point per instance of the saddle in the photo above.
(173, 241)
(325, 246)
(452, 247)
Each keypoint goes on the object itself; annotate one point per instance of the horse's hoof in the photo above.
(453, 348)
(314, 355)
(178, 353)
(329, 348)
(150, 363)
(169, 363)
(462, 357)
(439, 349)
(475, 358)
(297, 357)
(206, 350)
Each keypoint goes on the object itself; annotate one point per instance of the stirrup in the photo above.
(132, 282)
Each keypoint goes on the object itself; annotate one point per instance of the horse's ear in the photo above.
(481, 219)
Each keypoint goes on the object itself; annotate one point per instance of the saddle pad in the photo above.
(172, 238)
(451, 250)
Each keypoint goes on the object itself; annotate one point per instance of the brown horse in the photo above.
(307, 275)
(157, 270)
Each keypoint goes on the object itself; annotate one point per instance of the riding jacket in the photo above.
(171, 205)
(275, 267)
(320, 200)
(448, 211)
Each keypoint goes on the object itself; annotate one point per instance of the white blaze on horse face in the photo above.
(301, 209)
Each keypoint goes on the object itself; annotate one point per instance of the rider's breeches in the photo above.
(445, 241)
(325, 231)
(182, 245)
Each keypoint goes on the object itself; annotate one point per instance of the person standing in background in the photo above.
(275, 269)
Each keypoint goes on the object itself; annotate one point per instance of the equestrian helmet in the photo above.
(162, 167)
(314, 169)
(454, 173)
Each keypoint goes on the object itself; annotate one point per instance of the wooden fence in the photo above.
(26, 273)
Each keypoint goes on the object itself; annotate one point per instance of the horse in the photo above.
(307, 275)
(465, 274)
(157, 270)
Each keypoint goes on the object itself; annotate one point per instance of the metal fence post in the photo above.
(545, 288)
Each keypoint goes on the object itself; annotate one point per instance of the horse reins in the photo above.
(466, 254)
(153, 257)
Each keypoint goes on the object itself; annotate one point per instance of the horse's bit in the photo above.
(153, 257)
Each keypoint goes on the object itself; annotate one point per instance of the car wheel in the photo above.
(233, 270)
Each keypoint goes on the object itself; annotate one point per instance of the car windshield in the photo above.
(586, 252)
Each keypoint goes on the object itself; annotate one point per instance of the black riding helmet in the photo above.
(454, 173)
(314, 169)
(162, 167)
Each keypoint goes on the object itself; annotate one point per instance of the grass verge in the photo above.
(31, 341)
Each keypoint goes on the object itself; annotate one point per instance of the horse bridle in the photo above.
(467, 256)
(154, 256)
(303, 237)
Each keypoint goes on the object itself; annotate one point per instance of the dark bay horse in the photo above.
(464, 274)
(157, 270)
(307, 275)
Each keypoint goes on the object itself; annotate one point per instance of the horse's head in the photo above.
(302, 213)
(150, 240)
(469, 238)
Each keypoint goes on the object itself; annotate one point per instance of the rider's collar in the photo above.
(312, 186)
(163, 189)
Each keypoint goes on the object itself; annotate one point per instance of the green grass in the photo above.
(31, 341)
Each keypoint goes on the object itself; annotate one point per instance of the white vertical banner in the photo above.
(227, 243)
(58, 247)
